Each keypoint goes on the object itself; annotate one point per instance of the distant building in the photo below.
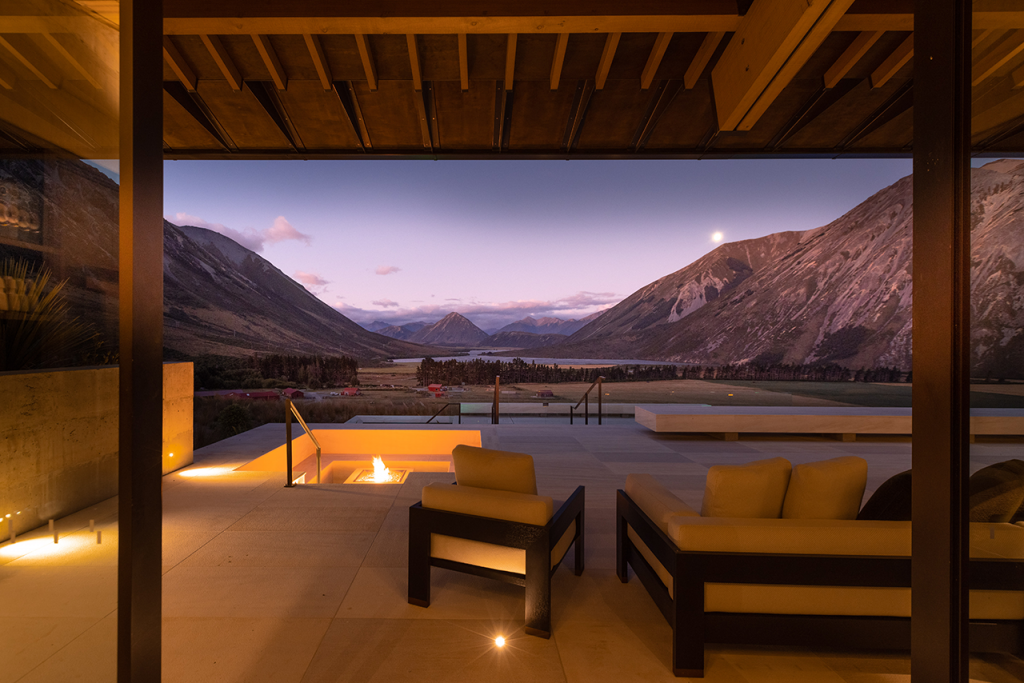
(436, 390)
(256, 395)
(350, 391)
(294, 393)
(544, 393)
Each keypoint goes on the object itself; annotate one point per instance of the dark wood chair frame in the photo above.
(692, 627)
(537, 540)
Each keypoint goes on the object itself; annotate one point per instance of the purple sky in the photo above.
(499, 240)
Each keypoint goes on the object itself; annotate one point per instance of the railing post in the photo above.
(571, 410)
(600, 399)
(288, 440)
(495, 415)
(318, 464)
(586, 409)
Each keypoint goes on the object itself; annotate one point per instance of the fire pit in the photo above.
(380, 474)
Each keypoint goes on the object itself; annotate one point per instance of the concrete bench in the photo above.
(846, 422)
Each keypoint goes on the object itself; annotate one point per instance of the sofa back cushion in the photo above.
(754, 490)
(996, 492)
(829, 489)
(489, 469)
(890, 501)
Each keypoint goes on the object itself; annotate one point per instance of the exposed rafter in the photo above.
(561, 43)
(75, 53)
(663, 96)
(580, 104)
(353, 115)
(503, 100)
(223, 60)
(898, 103)
(463, 62)
(366, 57)
(809, 45)
(316, 53)
(853, 54)
(269, 57)
(820, 101)
(414, 62)
(7, 77)
(510, 60)
(23, 52)
(893, 63)
(192, 103)
(654, 61)
(611, 44)
(267, 97)
(1018, 78)
(427, 115)
(1011, 46)
(701, 59)
(178, 65)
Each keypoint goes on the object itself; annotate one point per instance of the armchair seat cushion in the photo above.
(495, 504)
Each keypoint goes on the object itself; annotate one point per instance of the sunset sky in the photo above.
(400, 241)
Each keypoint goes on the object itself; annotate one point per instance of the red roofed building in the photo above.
(436, 390)
(350, 391)
(294, 393)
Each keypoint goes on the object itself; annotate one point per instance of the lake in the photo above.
(476, 354)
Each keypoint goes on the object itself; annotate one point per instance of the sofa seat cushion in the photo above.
(756, 489)
(655, 500)
(490, 469)
(828, 489)
(493, 556)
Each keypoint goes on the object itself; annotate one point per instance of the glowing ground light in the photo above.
(205, 472)
(500, 641)
(717, 237)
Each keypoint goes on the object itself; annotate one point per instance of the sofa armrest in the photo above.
(656, 501)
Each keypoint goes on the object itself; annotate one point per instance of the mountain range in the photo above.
(548, 325)
(840, 293)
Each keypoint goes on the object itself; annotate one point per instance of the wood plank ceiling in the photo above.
(555, 79)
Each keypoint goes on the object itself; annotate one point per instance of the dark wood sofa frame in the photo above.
(538, 542)
(692, 627)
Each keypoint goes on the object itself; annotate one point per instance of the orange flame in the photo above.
(381, 473)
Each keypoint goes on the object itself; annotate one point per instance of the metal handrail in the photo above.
(443, 408)
(496, 406)
(290, 410)
(586, 401)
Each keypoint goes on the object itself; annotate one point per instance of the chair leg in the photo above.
(688, 620)
(621, 539)
(538, 589)
(419, 559)
(577, 567)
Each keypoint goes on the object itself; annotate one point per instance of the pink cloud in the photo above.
(310, 279)
(387, 270)
(250, 238)
(385, 303)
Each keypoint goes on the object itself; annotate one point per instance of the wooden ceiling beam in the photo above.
(1018, 78)
(663, 96)
(611, 44)
(700, 61)
(558, 59)
(893, 63)
(178, 65)
(75, 53)
(1011, 46)
(578, 113)
(654, 61)
(7, 77)
(510, 60)
(316, 53)
(268, 99)
(463, 62)
(223, 60)
(414, 62)
(366, 57)
(31, 59)
(194, 105)
(853, 54)
(772, 44)
(353, 114)
(270, 59)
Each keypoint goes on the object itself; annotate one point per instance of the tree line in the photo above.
(479, 372)
(274, 371)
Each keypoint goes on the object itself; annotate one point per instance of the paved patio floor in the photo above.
(266, 583)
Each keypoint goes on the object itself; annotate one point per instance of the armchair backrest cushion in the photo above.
(829, 489)
(996, 492)
(655, 500)
(507, 505)
(754, 490)
(490, 469)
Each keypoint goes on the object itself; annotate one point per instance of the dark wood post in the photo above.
(288, 442)
(141, 297)
(941, 346)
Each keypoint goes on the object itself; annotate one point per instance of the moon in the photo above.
(717, 237)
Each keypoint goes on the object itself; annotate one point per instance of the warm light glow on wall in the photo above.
(44, 547)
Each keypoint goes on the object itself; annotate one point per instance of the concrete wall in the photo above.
(59, 439)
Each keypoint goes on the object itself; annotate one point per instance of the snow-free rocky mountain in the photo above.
(451, 330)
(221, 298)
(835, 294)
(548, 325)
(400, 331)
